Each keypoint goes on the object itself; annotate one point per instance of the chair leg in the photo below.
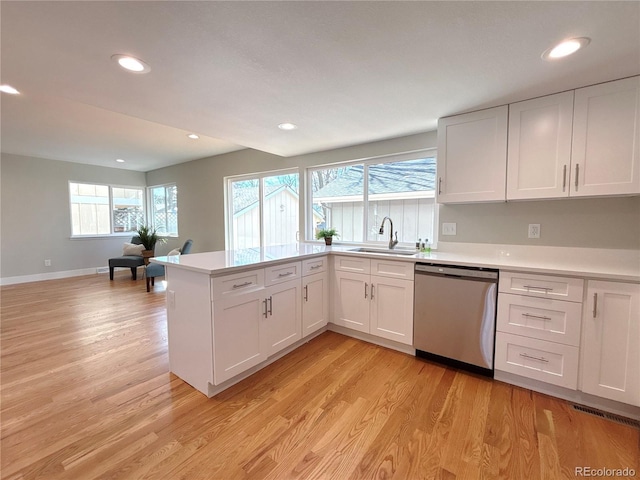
(134, 273)
(148, 289)
(153, 281)
(111, 273)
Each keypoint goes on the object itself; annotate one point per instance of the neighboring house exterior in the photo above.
(404, 191)
(281, 216)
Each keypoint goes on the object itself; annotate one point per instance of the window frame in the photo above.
(149, 214)
(228, 205)
(111, 209)
(366, 162)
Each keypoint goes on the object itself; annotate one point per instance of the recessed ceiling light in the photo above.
(131, 64)
(9, 89)
(193, 136)
(566, 47)
(287, 126)
(119, 160)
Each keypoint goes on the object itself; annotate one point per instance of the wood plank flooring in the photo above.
(86, 394)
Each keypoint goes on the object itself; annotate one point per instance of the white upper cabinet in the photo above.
(606, 136)
(472, 157)
(539, 153)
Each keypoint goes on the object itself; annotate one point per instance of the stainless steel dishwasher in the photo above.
(455, 315)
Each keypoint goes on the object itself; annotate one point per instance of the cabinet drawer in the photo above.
(282, 273)
(352, 264)
(537, 359)
(546, 286)
(392, 269)
(314, 265)
(237, 283)
(542, 318)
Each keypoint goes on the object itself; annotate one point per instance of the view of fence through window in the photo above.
(164, 209)
(102, 210)
(401, 190)
(264, 211)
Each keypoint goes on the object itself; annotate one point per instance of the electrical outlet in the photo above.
(47, 263)
(534, 230)
(448, 229)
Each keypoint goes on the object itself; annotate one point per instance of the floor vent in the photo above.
(609, 416)
(102, 270)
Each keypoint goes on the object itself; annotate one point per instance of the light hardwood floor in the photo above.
(86, 394)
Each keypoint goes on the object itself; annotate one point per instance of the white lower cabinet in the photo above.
(380, 305)
(538, 327)
(251, 322)
(281, 323)
(237, 334)
(611, 341)
(315, 302)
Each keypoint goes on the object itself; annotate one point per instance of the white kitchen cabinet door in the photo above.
(282, 326)
(611, 342)
(606, 139)
(315, 302)
(237, 338)
(392, 309)
(351, 300)
(539, 152)
(472, 157)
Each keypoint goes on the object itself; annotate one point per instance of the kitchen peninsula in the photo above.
(231, 313)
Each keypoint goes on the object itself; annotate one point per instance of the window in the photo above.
(103, 210)
(354, 198)
(262, 210)
(163, 206)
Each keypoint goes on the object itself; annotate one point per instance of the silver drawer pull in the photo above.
(541, 359)
(243, 285)
(529, 315)
(280, 275)
(314, 267)
(595, 305)
(533, 287)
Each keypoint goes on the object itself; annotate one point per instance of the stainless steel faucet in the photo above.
(392, 242)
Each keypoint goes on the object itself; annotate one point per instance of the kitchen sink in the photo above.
(388, 251)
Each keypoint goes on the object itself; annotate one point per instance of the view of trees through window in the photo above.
(354, 199)
(263, 211)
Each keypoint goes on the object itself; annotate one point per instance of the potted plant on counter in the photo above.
(149, 238)
(327, 234)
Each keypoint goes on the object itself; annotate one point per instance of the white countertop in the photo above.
(609, 264)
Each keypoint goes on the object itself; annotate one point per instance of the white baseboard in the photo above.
(38, 277)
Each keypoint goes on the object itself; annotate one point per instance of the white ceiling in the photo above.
(345, 72)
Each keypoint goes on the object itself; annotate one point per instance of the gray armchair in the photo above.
(130, 261)
(154, 270)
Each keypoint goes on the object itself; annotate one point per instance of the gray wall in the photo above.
(36, 217)
(35, 214)
(612, 222)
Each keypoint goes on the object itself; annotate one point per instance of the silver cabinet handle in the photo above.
(265, 307)
(533, 287)
(306, 293)
(595, 305)
(564, 178)
(372, 290)
(243, 285)
(576, 179)
(366, 285)
(529, 315)
(271, 306)
(541, 359)
(314, 267)
(280, 275)
(439, 185)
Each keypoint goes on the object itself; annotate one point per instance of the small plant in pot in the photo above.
(149, 238)
(327, 234)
